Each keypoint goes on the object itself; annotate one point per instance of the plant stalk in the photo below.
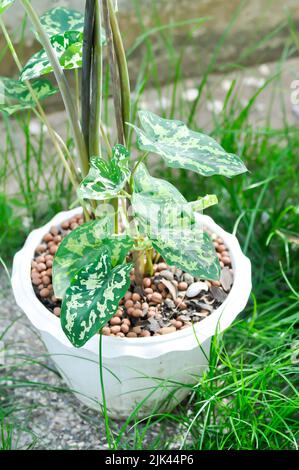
(122, 70)
(63, 86)
(86, 70)
(96, 93)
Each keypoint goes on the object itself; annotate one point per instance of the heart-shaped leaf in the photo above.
(83, 245)
(60, 19)
(68, 49)
(4, 4)
(15, 96)
(148, 185)
(181, 147)
(106, 178)
(191, 250)
(93, 298)
(155, 214)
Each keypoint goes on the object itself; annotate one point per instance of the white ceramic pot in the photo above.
(149, 370)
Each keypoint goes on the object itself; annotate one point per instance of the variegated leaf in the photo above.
(106, 178)
(15, 96)
(155, 214)
(82, 246)
(4, 4)
(60, 19)
(181, 147)
(156, 187)
(203, 202)
(93, 298)
(190, 250)
(66, 45)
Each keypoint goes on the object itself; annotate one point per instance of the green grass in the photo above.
(248, 399)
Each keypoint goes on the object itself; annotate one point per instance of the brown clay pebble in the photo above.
(129, 304)
(44, 292)
(156, 298)
(106, 331)
(54, 230)
(137, 329)
(115, 321)
(128, 295)
(53, 249)
(35, 280)
(48, 237)
(136, 297)
(137, 313)
(49, 263)
(148, 290)
(131, 334)
(125, 328)
(40, 249)
(182, 286)
(115, 329)
(41, 267)
(46, 280)
(57, 311)
(65, 225)
(145, 333)
(167, 329)
(147, 282)
(162, 266)
(126, 321)
(130, 311)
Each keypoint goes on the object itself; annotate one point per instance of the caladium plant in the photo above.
(132, 218)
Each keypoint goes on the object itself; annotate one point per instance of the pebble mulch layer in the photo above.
(168, 301)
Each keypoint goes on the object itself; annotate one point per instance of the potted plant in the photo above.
(136, 277)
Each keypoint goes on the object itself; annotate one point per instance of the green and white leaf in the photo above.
(190, 250)
(60, 19)
(203, 202)
(83, 245)
(68, 49)
(4, 4)
(148, 185)
(154, 214)
(15, 96)
(93, 298)
(181, 147)
(106, 178)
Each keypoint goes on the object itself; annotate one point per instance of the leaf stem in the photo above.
(96, 90)
(63, 85)
(122, 70)
(86, 69)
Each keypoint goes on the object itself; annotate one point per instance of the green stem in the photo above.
(113, 74)
(149, 269)
(96, 94)
(122, 70)
(140, 160)
(138, 258)
(63, 85)
(106, 417)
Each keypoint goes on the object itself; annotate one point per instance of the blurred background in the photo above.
(230, 69)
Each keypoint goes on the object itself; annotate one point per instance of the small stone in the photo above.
(188, 278)
(156, 298)
(195, 288)
(115, 329)
(57, 311)
(226, 279)
(166, 274)
(182, 286)
(169, 303)
(106, 331)
(44, 292)
(115, 321)
(166, 330)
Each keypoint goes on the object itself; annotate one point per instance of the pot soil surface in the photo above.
(170, 300)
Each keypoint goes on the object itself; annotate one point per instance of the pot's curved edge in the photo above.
(146, 348)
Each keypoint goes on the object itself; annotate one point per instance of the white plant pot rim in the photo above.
(145, 347)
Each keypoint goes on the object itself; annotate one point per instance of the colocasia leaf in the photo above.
(161, 189)
(68, 49)
(65, 30)
(4, 4)
(106, 178)
(83, 246)
(93, 298)
(15, 96)
(181, 147)
(191, 250)
(155, 214)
